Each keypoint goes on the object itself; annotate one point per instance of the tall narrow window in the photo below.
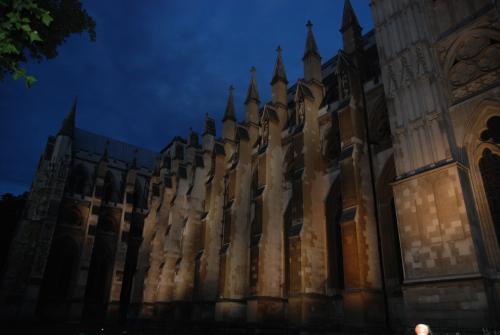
(297, 200)
(257, 220)
(202, 233)
(227, 227)
(110, 194)
(138, 195)
(222, 273)
(489, 165)
(256, 230)
(232, 185)
(255, 181)
(80, 181)
(179, 152)
(334, 237)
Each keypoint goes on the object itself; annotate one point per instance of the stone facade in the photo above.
(364, 195)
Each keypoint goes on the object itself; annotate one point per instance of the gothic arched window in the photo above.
(334, 237)
(255, 181)
(80, 181)
(344, 85)
(297, 200)
(492, 133)
(489, 165)
(71, 216)
(265, 132)
(107, 224)
(138, 195)
(110, 192)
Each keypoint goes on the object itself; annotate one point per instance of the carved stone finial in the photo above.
(309, 25)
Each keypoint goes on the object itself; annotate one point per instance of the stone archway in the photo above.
(390, 244)
(482, 146)
(391, 250)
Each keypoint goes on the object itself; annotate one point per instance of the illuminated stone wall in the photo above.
(359, 197)
(439, 64)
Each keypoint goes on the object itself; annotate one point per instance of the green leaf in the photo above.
(13, 16)
(46, 18)
(6, 25)
(8, 48)
(34, 37)
(26, 28)
(29, 81)
(18, 73)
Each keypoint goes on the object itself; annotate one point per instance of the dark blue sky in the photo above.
(156, 68)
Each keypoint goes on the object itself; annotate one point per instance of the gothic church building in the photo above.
(364, 196)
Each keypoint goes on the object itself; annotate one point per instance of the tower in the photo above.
(26, 265)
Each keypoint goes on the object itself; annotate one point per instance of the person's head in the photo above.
(422, 329)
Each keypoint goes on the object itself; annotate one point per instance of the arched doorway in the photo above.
(391, 249)
(55, 293)
(390, 244)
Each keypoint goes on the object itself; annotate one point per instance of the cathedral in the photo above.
(364, 196)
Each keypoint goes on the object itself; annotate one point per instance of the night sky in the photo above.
(156, 68)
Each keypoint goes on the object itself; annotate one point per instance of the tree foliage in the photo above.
(34, 29)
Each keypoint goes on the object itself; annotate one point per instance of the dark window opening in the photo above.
(489, 165)
(297, 201)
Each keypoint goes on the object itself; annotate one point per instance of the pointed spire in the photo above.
(279, 69)
(279, 85)
(230, 113)
(252, 93)
(349, 18)
(68, 125)
(311, 46)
